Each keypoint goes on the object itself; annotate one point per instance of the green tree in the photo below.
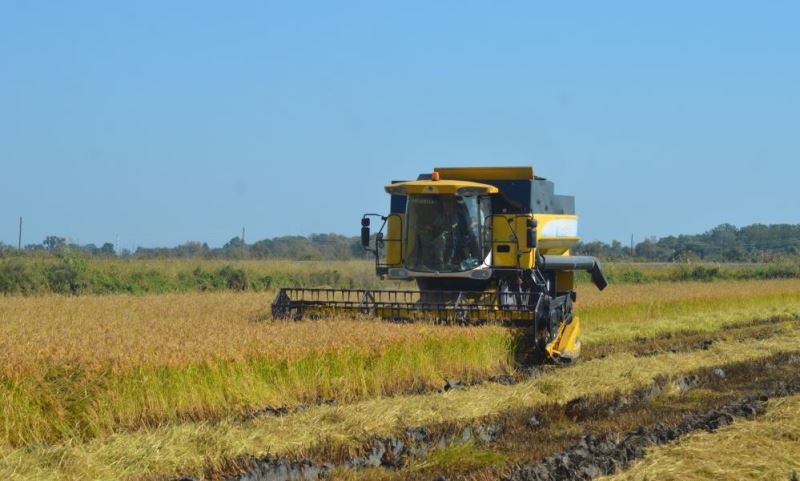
(107, 249)
(54, 243)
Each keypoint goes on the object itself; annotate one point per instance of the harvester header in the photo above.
(482, 244)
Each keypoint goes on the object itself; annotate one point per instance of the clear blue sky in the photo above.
(162, 122)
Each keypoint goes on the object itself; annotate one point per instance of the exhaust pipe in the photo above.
(576, 263)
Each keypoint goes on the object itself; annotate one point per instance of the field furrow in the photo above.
(127, 387)
(581, 439)
(766, 448)
(182, 449)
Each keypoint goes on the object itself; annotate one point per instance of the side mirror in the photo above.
(531, 233)
(365, 232)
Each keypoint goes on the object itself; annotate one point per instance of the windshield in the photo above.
(445, 232)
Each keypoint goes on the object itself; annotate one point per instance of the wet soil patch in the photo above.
(595, 456)
(674, 407)
(580, 439)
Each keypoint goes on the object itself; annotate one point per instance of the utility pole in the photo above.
(631, 245)
(19, 239)
(242, 235)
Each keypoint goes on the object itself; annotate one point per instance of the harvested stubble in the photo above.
(193, 447)
(540, 437)
(766, 448)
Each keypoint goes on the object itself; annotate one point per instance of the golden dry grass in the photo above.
(80, 367)
(85, 366)
(186, 448)
(172, 371)
(664, 293)
(766, 448)
(119, 332)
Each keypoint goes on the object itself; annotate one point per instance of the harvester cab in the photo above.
(482, 244)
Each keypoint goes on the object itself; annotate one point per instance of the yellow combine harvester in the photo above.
(484, 245)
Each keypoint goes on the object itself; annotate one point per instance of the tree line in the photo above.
(313, 247)
(724, 243)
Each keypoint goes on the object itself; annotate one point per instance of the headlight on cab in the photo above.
(481, 274)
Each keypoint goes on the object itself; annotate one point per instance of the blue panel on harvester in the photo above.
(398, 204)
(516, 198)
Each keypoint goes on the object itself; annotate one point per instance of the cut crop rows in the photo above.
(127, 387)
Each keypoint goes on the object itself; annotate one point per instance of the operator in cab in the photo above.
(445, 234)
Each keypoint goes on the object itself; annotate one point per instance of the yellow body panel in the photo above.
(565, 281)
(510, 230)
(567, 344)
(527, 257)
(555, 244)
(394, 240)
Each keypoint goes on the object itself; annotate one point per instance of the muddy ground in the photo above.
(582, 439)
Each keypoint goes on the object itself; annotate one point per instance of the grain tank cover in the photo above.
(521, 192)
(485, 173)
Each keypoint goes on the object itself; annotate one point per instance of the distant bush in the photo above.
(698, 273)
(711, 273)
(19, 277)
(330, 278)
(71, 272)
(772, 271)
(633, 277)
(150, 280)
(234, 279)
(261, 283)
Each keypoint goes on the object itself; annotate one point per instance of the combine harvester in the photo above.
(484, 245)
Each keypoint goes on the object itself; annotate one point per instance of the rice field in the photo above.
(124, 386)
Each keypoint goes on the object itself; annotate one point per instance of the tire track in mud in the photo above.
(675, 342)
(614, 430)
(595, 456)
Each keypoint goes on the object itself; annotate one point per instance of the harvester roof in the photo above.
(460, 187)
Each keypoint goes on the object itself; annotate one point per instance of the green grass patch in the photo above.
(73, 272)
(459, 457)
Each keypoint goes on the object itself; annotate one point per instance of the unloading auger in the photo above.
(483, 244)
